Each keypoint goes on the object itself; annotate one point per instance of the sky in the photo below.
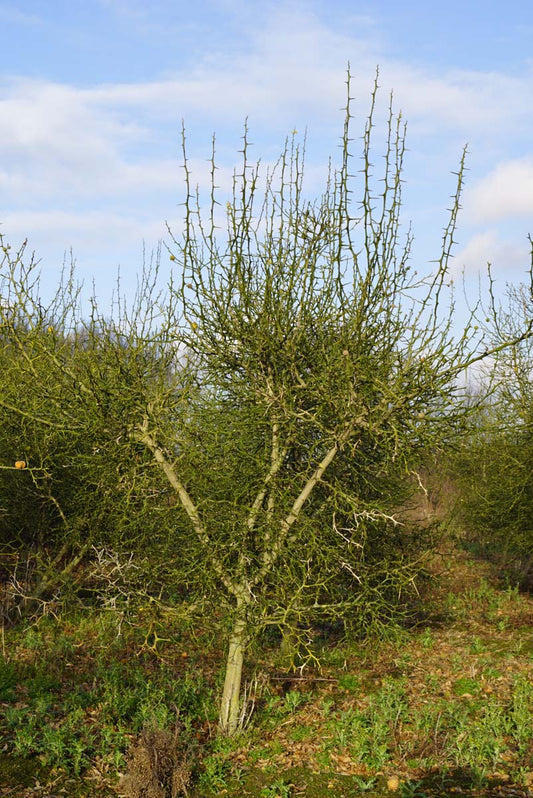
(93, 94)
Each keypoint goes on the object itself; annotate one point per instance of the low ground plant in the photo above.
(83, 701)
(86, 704)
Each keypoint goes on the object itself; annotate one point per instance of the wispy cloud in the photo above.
(79, 140)
(507, 191)
(74, 160)
(292, 68)
(507, 258)
(94, 228)
(12, 14)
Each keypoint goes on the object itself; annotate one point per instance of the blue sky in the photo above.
(92, 94)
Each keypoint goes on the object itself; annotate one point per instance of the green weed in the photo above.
(365, 785)
(521, 711)
(278, 789)
(465, 685)
(427, 639)
(215, 774)
(483, 599)
(327, 705)
(349, 682)
(70, 717)
(292, 701)
(300, 733)
(217, 769)
(477, 646)
(8, 680)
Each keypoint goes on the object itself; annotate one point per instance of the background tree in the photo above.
(493, 465)
(285, 388)
(65, 405)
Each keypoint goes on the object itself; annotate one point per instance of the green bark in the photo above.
(230, 706)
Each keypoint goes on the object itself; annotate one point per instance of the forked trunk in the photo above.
(230, 708)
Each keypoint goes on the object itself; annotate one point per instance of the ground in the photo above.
(441, 708)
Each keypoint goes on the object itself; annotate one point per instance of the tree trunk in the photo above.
(230, 707)
(289, 648)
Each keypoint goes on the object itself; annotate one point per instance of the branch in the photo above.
(143, 436)
(528, 333)
(277, 459)
(32, 417)
(270, 556)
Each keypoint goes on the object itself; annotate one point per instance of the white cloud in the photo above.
(85, 229)
(506, 192)
(62, 140)
(52, 142)
(505, 257)
(467, 101)
(117, 145)
(61, 143)
(102, 245)
(294, 65)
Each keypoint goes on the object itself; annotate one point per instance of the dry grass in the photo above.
(159, 766)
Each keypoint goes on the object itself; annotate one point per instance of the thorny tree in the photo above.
(326, 365)
(492, 467)
(297, 371)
